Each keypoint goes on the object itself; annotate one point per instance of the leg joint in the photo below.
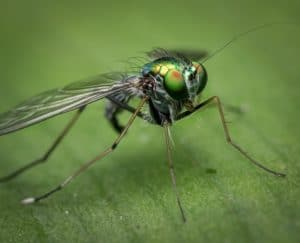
(113, 146)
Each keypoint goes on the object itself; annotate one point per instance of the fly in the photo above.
(167, 85)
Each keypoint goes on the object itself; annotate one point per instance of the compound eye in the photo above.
(202, 75)
(174, 84)
(197, 67)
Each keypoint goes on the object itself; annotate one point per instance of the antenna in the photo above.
(240, 35)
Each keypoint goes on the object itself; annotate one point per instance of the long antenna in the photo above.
(240, 35)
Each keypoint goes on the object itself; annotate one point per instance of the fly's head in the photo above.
(184, 85)
(175, 80)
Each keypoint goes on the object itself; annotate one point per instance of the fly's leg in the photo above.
(216, 100)
(171, 169)
(89, 163)
(115, 106)
(111, 112)
(48, 152)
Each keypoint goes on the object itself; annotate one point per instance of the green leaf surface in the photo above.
(127, 197)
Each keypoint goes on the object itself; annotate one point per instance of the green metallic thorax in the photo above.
(162, 66)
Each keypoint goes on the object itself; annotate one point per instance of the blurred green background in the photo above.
(127, 197)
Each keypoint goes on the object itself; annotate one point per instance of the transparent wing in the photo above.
(71, 97)
(194, 55)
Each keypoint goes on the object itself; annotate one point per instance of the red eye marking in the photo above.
(176, 75)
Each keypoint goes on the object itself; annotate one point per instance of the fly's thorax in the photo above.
(161, 100)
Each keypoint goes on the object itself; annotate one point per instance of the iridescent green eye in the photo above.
(202, 78)
(202, 75)
(175, 84)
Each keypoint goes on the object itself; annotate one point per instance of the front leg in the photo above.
(216, 101)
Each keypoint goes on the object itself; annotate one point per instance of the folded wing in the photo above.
(71, 97)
